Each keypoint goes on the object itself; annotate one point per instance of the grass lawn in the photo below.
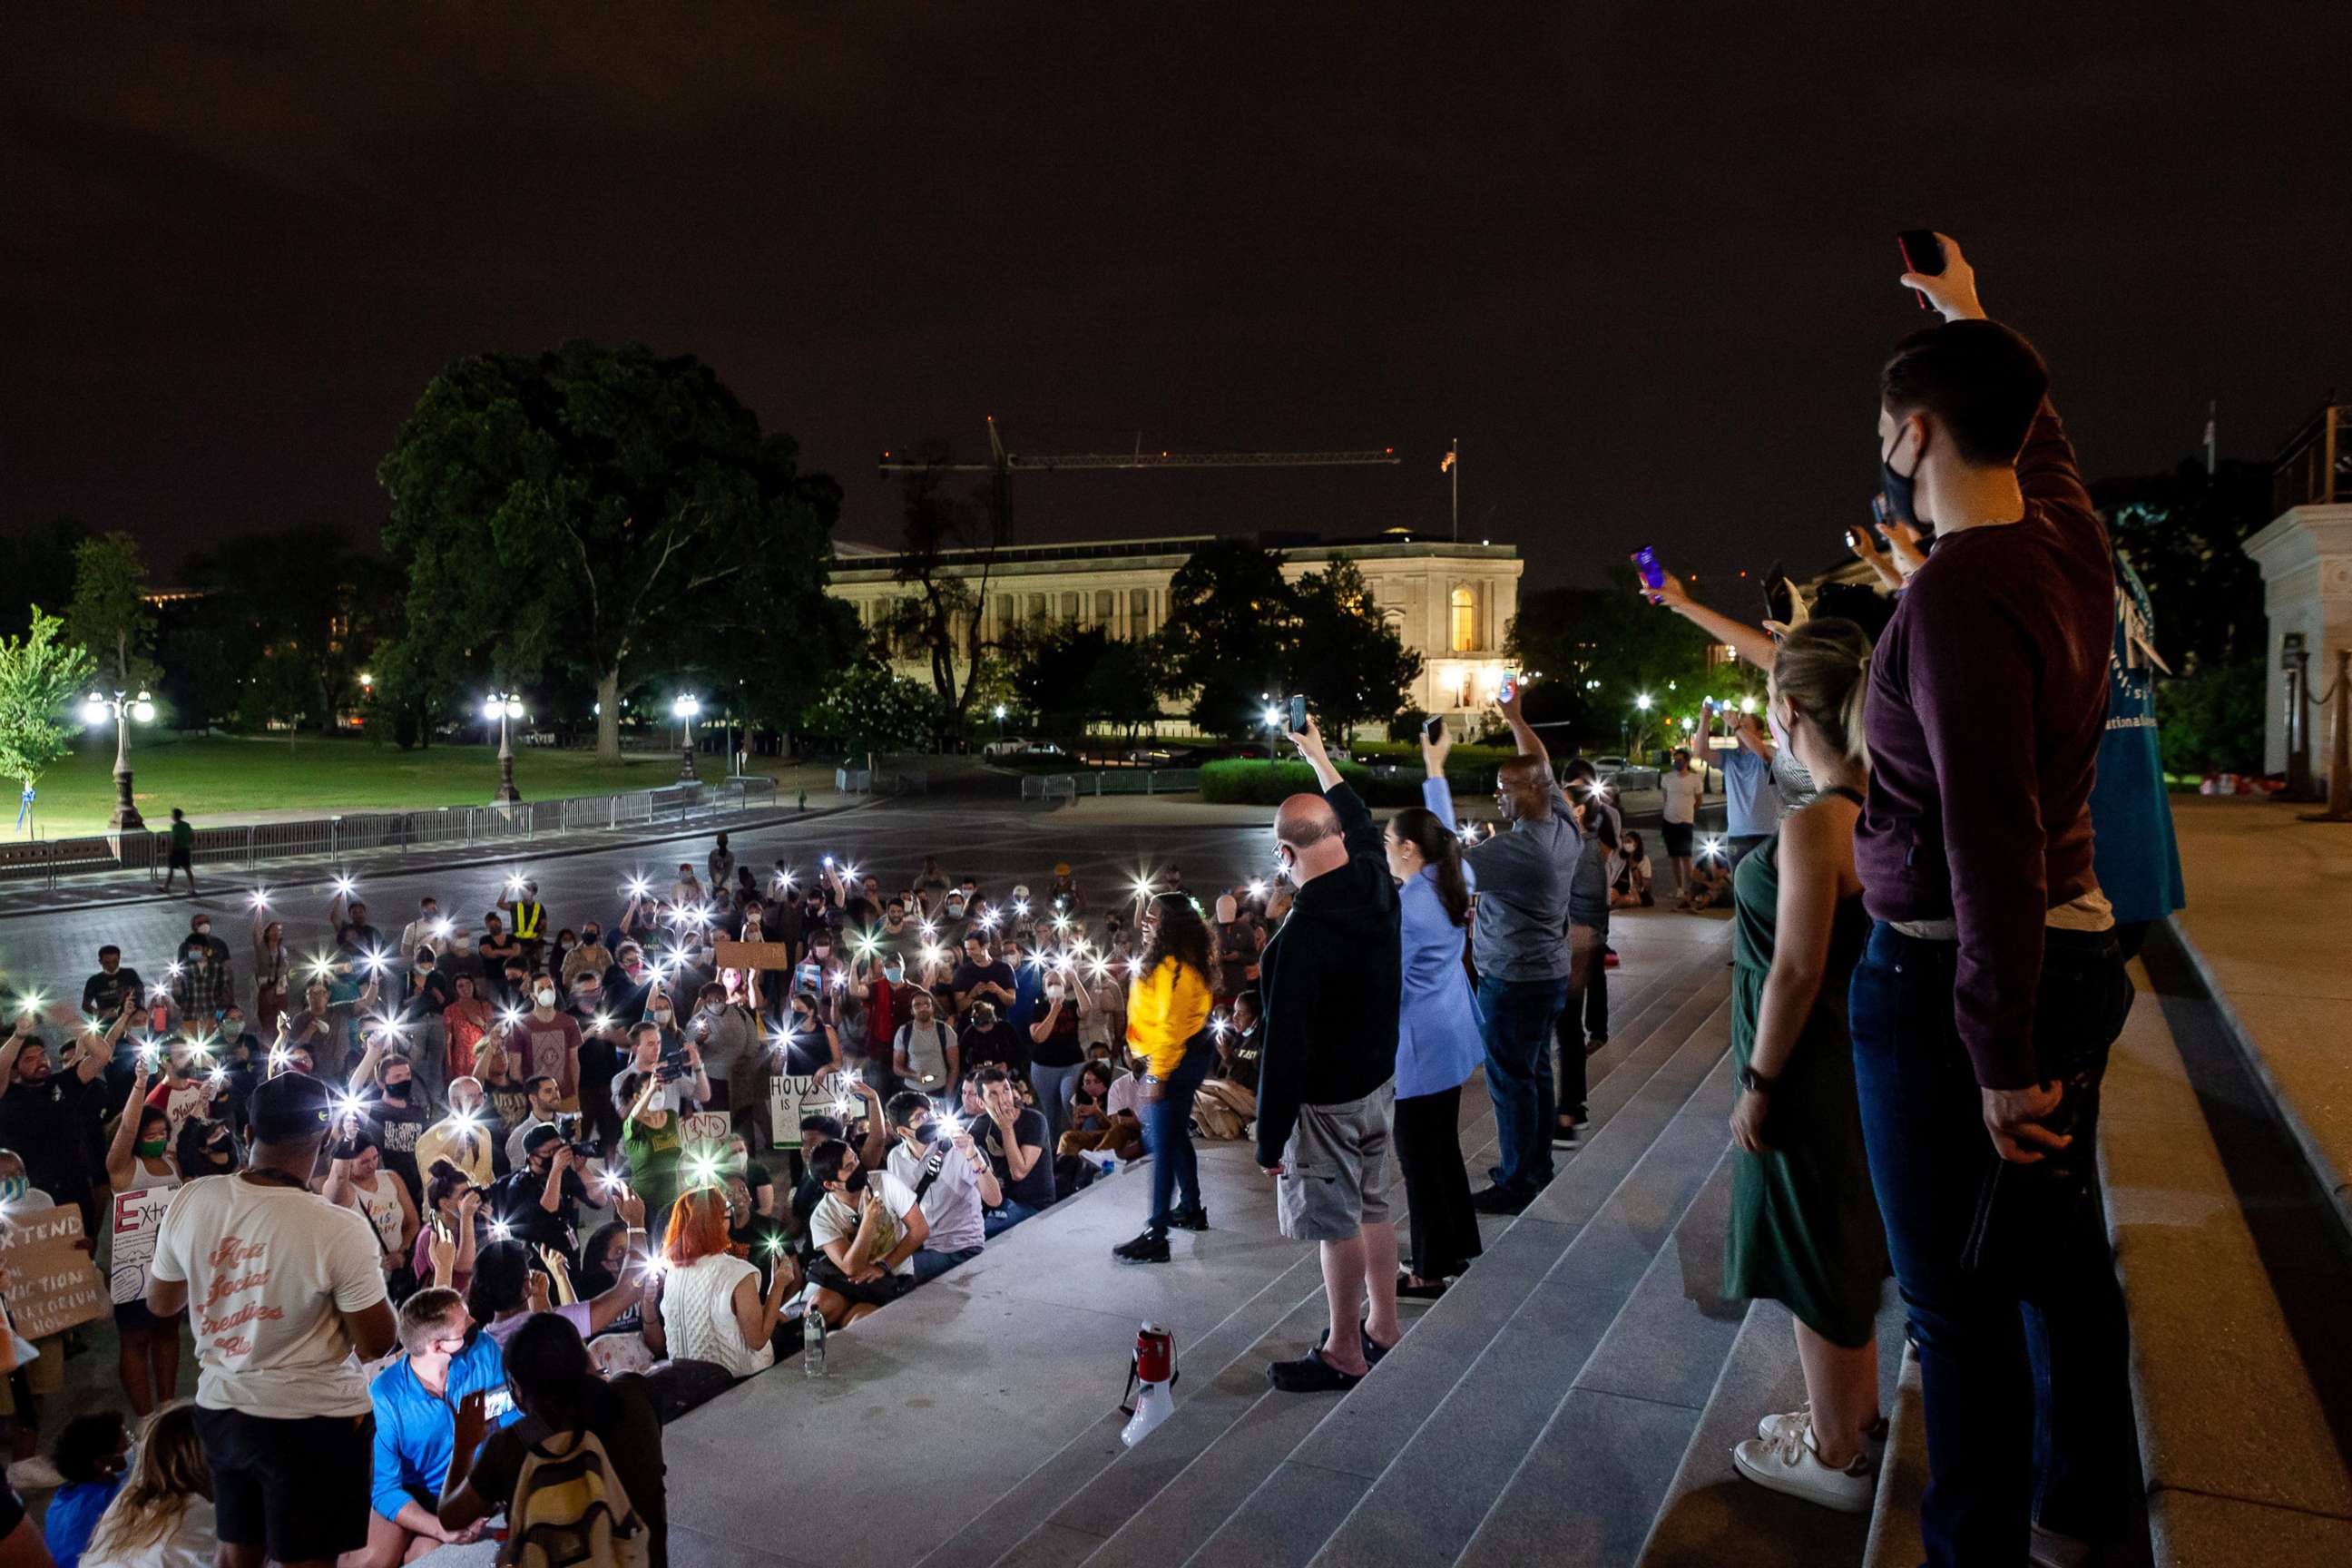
(209, 776)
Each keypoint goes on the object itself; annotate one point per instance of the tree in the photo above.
(302, 600)
(1343, 653)
(867, 709)
(591, 510)
(2182, 533)
(107, 614)
(1567, 638)
(1229, 626)
(943, 618)
(41, 674)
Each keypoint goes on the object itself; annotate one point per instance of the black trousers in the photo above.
(1436, 1184)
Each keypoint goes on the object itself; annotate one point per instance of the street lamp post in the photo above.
(95, 711)
(684, 710)
(503, 709)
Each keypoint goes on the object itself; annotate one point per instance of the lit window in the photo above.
(1465, 635)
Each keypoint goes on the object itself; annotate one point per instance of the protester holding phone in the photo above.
(1804, 1230)
(1992, 974)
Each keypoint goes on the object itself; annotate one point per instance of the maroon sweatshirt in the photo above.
(1987, 695)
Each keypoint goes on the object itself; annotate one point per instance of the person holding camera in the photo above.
(1992, 985)
(868, 1228)
(953, 1182)
(538, 1201)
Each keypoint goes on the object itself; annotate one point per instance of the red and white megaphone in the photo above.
(1149, 1379)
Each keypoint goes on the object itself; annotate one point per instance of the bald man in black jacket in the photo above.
(1329, 984)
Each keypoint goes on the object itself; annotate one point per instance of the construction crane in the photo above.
(1001, 464)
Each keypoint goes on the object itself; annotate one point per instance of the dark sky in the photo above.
(1638, 256)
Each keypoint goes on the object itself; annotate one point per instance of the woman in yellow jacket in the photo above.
(1167, 1026)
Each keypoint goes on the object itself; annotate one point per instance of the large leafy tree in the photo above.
(1344, 654)
(41, 675)
(1570, 639)
(1070, 677)
(942, 619)
(596, 510)
(867, 709)
(107, 614)
(291, 618)
(1230, 624)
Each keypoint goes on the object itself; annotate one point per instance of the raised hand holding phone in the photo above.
(1950, 288)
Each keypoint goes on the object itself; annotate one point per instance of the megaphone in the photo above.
(1149, 1378)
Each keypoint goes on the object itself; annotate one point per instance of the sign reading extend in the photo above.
(53, 1284)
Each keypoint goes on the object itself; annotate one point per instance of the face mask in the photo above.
(1053, 993)
(545, 997)
(1789, 776)
(14, 1188)
(661, 1014)
(396, 1090)
(855, 1180)
(150, 1148)
(927, 1134)
(1899, 491)
(203, 929)
(894, 974)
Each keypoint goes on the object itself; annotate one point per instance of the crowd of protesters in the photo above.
(453, 1208)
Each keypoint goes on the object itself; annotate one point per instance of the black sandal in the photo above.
(1410, 1291)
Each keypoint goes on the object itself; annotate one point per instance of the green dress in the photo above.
(1805, 1229)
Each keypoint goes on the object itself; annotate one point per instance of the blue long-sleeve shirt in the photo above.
(415, 1429)
(1438, 1042)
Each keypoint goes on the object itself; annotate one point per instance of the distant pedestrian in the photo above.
(1682, 787)
(1331, 982)
(183, 852)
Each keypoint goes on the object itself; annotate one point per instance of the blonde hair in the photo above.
(1823, 669)
(171, 1470)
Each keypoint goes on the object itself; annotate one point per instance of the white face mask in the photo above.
(544, 996)
(1789, 776)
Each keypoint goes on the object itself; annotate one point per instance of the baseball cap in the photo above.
(540, 1137)
(290, 1108)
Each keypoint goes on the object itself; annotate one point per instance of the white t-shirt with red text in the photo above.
(269, 1270)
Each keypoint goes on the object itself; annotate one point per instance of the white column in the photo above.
(2306, 561)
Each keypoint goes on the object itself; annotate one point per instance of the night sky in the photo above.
(1637, 257)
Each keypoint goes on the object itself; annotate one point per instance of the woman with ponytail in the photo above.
(1438, 1039)
(1805, 1229)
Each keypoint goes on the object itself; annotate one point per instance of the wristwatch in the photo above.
(1750, 1083)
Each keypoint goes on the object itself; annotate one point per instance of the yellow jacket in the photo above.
(1165, 1009)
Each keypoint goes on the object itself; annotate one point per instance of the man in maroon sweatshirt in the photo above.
(1992, 987)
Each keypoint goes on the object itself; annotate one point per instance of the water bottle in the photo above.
(812, 1342)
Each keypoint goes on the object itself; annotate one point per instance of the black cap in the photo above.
(540, 1137)
(290, 1108)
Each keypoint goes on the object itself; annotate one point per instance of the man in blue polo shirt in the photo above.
(1751, 801)
(415, 1400)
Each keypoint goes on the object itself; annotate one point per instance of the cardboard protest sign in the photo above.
(703, 1127)
(53, 1284)
(785, 1098)
(753, 955)
(131, 1241)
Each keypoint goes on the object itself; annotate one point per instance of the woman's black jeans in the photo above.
(2007, 1278)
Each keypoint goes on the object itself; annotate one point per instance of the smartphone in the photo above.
(1922, 253)
(1299, 713)
(1434, 729)
(1645, 561)
(1510, 688)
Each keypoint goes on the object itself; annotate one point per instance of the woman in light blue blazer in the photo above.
(1438, 1039)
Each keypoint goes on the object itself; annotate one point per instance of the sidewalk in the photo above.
(2269, 926)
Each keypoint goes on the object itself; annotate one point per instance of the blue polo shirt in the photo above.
(1751, 802)
(415, 1429)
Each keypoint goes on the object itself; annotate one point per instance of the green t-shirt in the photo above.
(654, 1153)
(184, 836)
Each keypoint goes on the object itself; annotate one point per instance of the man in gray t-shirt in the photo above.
(1519, 942)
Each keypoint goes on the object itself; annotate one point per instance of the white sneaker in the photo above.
(35, 1475)
(1773, 1427)
(1789, 1464)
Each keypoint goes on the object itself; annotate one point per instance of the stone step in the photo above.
(1444, 1422)
(2234, 1279)
(1158, 1502)
(1893, 1540)
(1711, 1514)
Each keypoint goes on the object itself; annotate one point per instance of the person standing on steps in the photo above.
(1438, 1041)
(1519, 941)
(1992, 985)
(1804, 1230)
(1682, 787)
(1168, 1027)
(1330, 983)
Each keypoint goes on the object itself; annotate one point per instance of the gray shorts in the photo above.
(1339, 1169)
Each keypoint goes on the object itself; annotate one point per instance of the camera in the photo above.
(567, 1126)
(672, 1066)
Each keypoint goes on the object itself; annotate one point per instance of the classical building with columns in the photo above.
(1451, 603)
(2306, 560)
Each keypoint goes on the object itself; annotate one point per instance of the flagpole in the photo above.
(1454, 469)
(2212, 435)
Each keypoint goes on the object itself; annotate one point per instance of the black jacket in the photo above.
(1328, 986)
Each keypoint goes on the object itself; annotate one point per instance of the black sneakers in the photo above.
(1194, 1217)
(1151, 1247)
(1499, 1200)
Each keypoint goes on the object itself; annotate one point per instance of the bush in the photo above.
(2212, 719)
(1238, 783)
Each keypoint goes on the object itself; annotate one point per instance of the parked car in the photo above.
(1151, 756)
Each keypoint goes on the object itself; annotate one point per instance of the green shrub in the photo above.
(1239, 783)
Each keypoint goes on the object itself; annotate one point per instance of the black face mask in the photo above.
(854, 1181)
(927, 1135)
(1897, 498)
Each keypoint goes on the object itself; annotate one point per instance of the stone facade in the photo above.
(1451, 603)
(2306, 561)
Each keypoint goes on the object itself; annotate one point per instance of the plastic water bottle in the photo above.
(812, 1342)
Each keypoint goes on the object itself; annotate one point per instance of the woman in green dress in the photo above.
(1805, 1229)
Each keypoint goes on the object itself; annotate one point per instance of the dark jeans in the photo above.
(1519, 1016)
(1436, 1184)
(1167, 1132)
(929, 1265)
(2018, 1318)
